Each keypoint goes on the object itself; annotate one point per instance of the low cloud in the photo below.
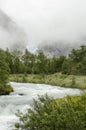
(49, 20)
(11, 35)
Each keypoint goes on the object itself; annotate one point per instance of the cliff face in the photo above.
(11, 35)
(59, 48)
(55, 49)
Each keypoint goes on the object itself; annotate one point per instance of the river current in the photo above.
(22, 98)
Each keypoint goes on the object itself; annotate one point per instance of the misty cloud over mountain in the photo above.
(11, 36)
(62, 24)
(58, 48)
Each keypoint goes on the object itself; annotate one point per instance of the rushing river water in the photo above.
(22, 97)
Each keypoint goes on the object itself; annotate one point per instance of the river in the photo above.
(22, 97)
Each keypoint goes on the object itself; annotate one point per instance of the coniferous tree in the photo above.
(4, 75)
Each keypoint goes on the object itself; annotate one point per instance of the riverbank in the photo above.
(5, 90)
(57, 79)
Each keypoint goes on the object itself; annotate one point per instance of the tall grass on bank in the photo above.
(57, 79)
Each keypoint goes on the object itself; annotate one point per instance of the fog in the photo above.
(48, 20)
(11, 35)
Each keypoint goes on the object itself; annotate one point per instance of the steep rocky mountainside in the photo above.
(11, 35)
(59, 48)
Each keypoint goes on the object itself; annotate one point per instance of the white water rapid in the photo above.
(22, 97)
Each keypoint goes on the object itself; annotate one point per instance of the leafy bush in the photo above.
(73, 83)
(24, 79)
(68, 113)
(63, 76)
(5, 90)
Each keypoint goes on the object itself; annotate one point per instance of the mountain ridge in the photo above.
(11, 35)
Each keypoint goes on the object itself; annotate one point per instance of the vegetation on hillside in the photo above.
(68, 113)
(27, 63)
(5, 88)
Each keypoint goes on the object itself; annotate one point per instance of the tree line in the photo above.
(18, 62)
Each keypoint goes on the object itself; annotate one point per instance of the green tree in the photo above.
(57, 63)
(4, 74)
(41, 64)
(29, 61)
(66, 66)
(78, 58)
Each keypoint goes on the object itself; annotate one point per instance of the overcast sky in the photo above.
(51, 20)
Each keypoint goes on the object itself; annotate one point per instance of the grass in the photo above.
(57, 79)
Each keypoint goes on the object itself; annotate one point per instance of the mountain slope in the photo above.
(59, 48)
(11, 35)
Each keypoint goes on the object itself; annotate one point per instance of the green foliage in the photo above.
(67, 66)
(4, 74)
(78, 58)
(63, 76)
(68, 113)
(21, 63)
(24, 79)
(41, 63)
(4, 70)
(5, 89)
(73, 83)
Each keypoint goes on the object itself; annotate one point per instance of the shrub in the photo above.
(5, 89)
(73, 83)
(68, 113)
(24, 79)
